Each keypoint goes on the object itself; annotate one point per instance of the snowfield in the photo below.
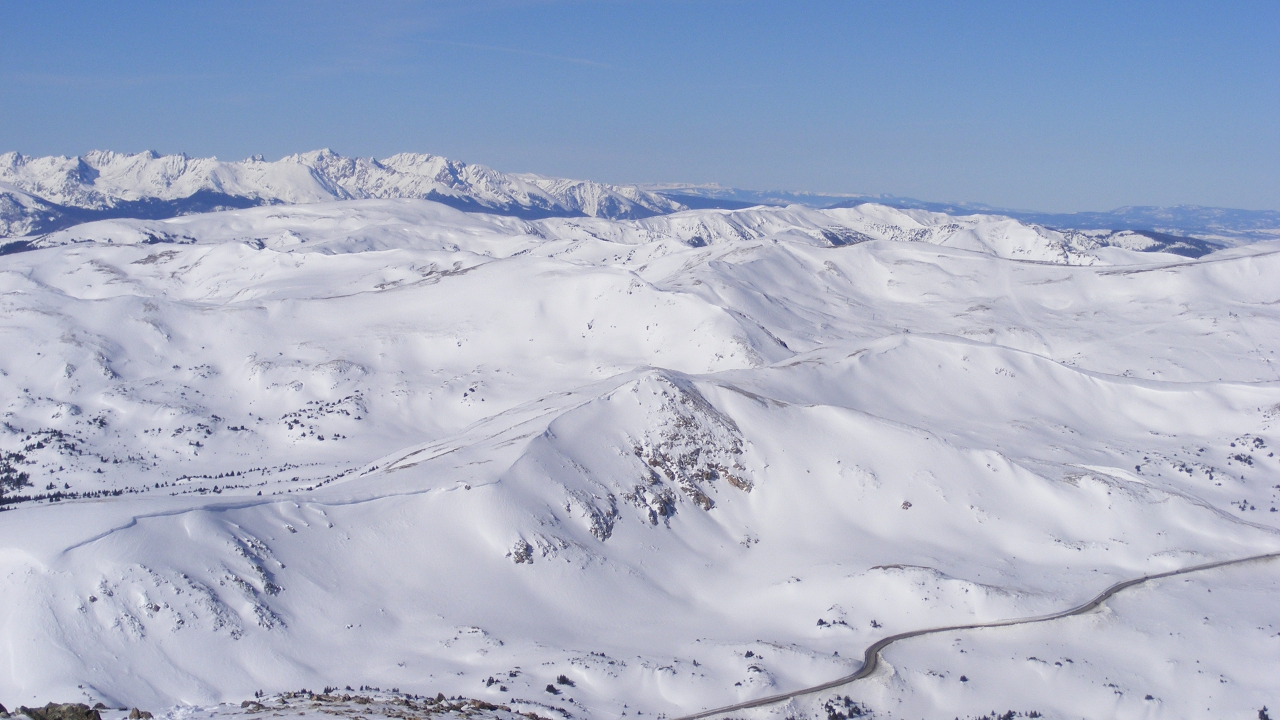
(676, 462)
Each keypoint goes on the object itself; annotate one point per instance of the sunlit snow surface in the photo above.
(682, 461)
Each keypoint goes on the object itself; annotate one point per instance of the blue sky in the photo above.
(1043, 105)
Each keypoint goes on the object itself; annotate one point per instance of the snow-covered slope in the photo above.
(1189, 230)
(102, 184)
(680, 461)
(825, 228)
(22, 213)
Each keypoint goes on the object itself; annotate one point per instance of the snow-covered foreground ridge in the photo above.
(681, 461)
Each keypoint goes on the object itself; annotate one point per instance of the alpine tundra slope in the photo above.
(599, 467)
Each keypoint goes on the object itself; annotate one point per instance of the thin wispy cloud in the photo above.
(528, 53)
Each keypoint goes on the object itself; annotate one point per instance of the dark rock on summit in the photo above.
(61, 711)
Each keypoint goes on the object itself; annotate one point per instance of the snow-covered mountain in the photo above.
(1189, 230)
(24, 214)
(584, 467)
(44, 194)
(49, 193)
(841, 227)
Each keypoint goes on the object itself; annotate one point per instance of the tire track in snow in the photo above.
(871, 658)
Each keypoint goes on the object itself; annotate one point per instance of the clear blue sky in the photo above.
(1031, 104)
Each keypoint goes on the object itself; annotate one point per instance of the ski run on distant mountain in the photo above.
(358, 448)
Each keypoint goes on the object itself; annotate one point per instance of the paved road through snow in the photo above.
(871, 658)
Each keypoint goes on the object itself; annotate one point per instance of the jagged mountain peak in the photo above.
(148, 185)
(97, 158)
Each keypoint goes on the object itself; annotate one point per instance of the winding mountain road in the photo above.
(871, 658)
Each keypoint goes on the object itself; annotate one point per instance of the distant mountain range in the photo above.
(39, 195)
(1224, 225)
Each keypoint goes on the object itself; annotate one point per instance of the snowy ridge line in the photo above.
(871, 658)
(1116, 474)
(892, 341)
(1208, 259)
(44, 194)
(451, 445)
